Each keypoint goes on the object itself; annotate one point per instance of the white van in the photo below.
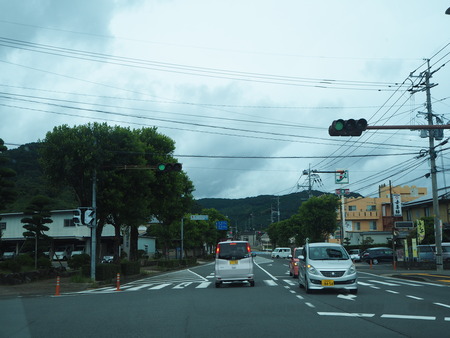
(281, 253)
(234, 263)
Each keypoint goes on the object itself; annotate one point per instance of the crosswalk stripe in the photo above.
(139, 287)
(203, 285)
(270, 282)
(160, 286)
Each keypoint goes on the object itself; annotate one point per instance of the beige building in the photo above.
(372, 217)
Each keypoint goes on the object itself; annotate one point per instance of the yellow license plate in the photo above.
(233, 262)
(327, 282)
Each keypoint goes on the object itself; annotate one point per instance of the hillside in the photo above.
(246, 213)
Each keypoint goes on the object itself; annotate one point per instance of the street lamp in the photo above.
(447, 11)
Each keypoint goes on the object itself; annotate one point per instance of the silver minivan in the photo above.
(326, 266)
(234, 263)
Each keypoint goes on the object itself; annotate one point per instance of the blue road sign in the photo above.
(222, 225)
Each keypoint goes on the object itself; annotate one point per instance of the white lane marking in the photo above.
(447, 319)
(290, 282)
(160, 286)
(414, 297)
(346, 314)
(182, 285)
(268, 273)
(391, 316)
(203, 285)
(201, 277)
(444, 305)
(270, 282)
(310, 305)
(140, 287)
(383, 283)
(390, 291)
(299, 297)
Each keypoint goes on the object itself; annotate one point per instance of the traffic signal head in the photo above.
(349, 127)
(77, 217)
(166, 167)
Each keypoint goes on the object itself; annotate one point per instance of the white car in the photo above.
(234, 263)
(355, 255)
(326, 266)
(281, 253)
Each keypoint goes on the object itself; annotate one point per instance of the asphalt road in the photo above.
(186, 304)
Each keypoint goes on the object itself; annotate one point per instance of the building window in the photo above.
(426, 212)
(371, 208)
(2, 225)
(357, 226)
(352, 208)
(373, 225)
(68, 222)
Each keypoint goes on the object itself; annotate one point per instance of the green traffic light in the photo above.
(339, 125)
(161, 167)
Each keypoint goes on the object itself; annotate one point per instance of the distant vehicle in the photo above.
(108, 259)
(355, 255)
(425, 253)
(9, 254)
(293, 263)
(78, 250)
(327, 266)
(281, 253)
(234, 263)
(377, 255)
(445, 251)
(61, 253)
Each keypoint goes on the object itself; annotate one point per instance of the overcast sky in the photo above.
(246, 88)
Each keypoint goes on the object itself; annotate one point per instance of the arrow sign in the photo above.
(347, 297)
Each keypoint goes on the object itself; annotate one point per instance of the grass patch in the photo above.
(80, 279)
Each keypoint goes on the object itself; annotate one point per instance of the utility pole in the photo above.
(432, 151)
(94, 226)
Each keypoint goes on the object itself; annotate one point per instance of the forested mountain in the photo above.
(246, 213)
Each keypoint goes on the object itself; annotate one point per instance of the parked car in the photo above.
(327, 266)
(78, 250)
(293, 263)
(108, 259)
(234, 263)
(425, 253)
(10, 254)
(445, 251)
(377, 255)
(61, 253)
(281, 253)
(355, 255)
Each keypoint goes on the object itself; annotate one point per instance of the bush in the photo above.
(130, 268)
(77, 261)
(11, 265)
(24, 260)
(106, 271)
(44, 263)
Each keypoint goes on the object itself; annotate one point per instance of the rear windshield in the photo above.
(327, 253)
(233, 251)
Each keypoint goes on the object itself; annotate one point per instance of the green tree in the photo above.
(7, 193)
(37, 216)
(128, 189)
(318, 217)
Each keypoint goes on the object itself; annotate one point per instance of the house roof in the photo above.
(428, 199)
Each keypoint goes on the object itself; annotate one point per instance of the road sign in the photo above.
(342, 176)
(396, 200)
(199, 217)
(222, 225)
(342, 191)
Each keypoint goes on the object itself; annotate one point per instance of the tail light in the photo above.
(248, 248)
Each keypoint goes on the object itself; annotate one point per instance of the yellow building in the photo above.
(372, 217)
